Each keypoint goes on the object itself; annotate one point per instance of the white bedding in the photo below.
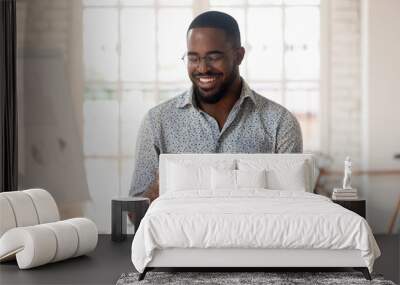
(252, 218)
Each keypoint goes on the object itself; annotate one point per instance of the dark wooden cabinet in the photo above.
(357, 206)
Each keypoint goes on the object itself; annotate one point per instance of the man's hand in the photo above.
(153, 191)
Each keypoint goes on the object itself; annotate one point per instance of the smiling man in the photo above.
(220, 113)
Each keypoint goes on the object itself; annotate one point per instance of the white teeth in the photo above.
(207, 79)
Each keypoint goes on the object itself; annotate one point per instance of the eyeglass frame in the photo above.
(208, 60)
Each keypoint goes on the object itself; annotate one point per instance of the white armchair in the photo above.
(31, 230)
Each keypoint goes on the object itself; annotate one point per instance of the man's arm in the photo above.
(153, 190)
(289, 138)
(145, 175)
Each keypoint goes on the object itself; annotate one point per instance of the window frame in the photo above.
(198, 7)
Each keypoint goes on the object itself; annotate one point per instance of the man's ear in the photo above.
(240, 55)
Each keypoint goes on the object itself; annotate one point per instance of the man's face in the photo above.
(211, 79)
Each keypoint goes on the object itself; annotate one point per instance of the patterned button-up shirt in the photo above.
(254, 125)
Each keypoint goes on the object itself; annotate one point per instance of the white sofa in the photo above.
(31, 231)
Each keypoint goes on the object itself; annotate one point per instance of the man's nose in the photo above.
(203, 66)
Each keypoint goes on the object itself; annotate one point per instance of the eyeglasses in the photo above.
(192, 60)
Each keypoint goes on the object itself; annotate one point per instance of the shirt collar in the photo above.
(187, 98)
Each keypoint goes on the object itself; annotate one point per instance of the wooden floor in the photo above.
(102, 266)
(110, 260)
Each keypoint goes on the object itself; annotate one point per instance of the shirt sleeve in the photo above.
(289, 138)
(146, 158)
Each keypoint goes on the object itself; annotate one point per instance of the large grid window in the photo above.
(132, 51)
(282, 61)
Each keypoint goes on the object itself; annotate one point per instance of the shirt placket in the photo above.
(213, 124)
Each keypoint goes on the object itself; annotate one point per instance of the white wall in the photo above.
(359, 116)
(384, 83)
(381, 138)
(342, 132)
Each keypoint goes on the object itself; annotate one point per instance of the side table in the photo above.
(358, 206)
(119, 208)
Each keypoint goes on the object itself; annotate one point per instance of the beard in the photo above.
(219, 94)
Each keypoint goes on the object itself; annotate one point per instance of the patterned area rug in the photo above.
(229, 278)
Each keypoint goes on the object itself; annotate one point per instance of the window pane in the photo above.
(309, 124)
(102, 175)
(100, 92)
(302, 43)
(175, 2)
(265, 44)
(134, 105)
(168, 91)
(302, 2)
(172, 26)
(265, 2)
(270, 90)
(227, 2)
(137, 2)
(305, 85)
(100, 42)
(101, 125)
(126, 176)
(302, 98)
(303, 101)
(138, 53)
(100, 2)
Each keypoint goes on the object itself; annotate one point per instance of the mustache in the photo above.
(198, 74)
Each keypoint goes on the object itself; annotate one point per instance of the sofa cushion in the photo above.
(7, 215)
(40, 244)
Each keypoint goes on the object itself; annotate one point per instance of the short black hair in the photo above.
(218, 20)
